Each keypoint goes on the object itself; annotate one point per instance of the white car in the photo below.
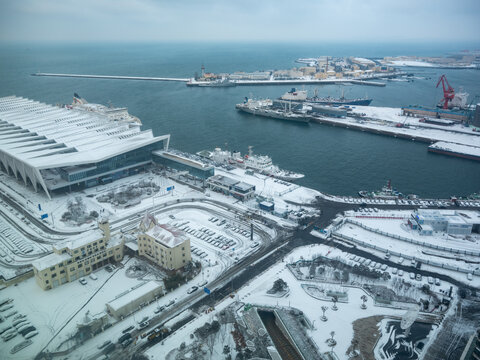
(192, 289)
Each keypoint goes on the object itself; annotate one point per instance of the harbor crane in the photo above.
(448, 93)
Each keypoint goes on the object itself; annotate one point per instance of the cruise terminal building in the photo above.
(57, 149)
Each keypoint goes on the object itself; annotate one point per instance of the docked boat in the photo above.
(264, 108)
(261, 164)
(386, 193)
(114, 114)
(302, 96)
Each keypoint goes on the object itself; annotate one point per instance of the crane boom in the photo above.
(448, 92)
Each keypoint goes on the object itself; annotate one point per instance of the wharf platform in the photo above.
(192, 82)
(296, 82)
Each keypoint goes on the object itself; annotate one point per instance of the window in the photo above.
(72, 269)
(46, 282)
(80, 265)
(60, 265)
(54, 275)
(62, 272)
(52, 268)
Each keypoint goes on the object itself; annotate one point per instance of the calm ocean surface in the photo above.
(334, 160)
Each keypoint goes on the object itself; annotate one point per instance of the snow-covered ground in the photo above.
(393, 225)
(255, 293)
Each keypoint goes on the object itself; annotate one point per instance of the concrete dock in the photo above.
(191, 82)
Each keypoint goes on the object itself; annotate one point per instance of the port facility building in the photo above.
(181, 162)
(55, 149)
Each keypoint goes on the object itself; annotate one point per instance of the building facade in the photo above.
(79, 256)
(165, 245)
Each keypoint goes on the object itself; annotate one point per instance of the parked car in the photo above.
(83, 281)
(106, 343)
(192, 289)
(159, 309)
(127, 342)
(31, 334)
(418, 277)
(93, 276)
(128, 329)
(143, 324)
(124, 337)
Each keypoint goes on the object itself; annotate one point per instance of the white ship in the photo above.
(258, 163)
(117, 115)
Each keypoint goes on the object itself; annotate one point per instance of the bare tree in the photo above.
(364, 299)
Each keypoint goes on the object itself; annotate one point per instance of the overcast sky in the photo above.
(240, 20)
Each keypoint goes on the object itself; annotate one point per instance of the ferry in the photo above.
(114, 114)
(261, 164)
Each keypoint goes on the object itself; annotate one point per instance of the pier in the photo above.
(191, 82)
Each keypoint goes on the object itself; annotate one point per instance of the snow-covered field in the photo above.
(394, 224)
(255, 293)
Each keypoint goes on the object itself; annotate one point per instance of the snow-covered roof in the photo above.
(49, 261)
(45, 136)
(134, 294)
(80, 240)
(167, 235)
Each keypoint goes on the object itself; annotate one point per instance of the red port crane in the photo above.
(448, 93)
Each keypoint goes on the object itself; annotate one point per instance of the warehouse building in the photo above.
(78, 256)
(131, 300)
(60, 149)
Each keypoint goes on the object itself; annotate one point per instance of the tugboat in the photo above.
(387, 193)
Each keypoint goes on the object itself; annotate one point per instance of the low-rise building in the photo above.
(163, 244)
(78, 256)
(427, 221)
(130, 300)
(229, 186)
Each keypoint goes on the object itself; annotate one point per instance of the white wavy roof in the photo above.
(45, 136)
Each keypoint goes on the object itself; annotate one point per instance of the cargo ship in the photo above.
(264, 108)
(302, 96)
(261, 164)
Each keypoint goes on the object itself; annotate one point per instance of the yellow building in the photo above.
(163, 244)
(78, 256)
